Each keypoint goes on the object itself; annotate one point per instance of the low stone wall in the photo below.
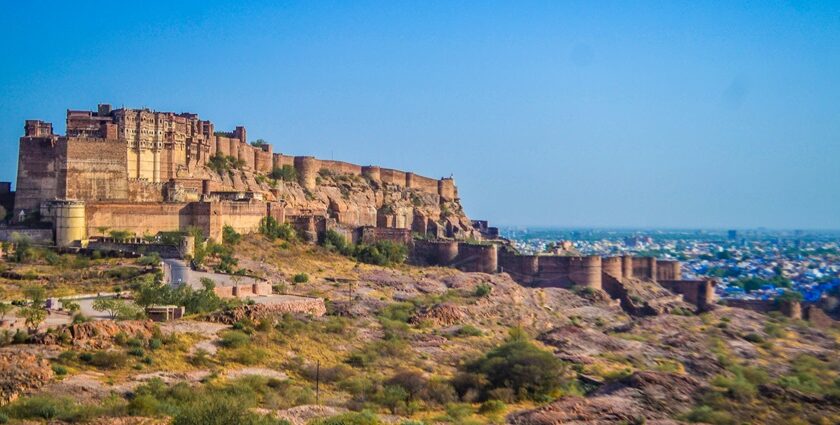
(37, 236)
(108, 244)
(244, 290)
(792, 309)
(370, 235)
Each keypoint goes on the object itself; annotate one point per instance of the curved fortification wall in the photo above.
(447, 189)
(263, 159)
(585, 271)
(446, 252)
(477, 258)
(340, 167)
(644, 267)
(373, 173)
(390, 176)
(307, 169)
(627, 266)
(520, 267)
(435, 253)
(668, 270)
(612, 266)
(69, 222)
(279, 161)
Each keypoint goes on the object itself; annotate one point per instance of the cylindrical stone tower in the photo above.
(307, 170)
(69, 222)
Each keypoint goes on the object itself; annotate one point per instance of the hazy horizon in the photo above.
(690, 116)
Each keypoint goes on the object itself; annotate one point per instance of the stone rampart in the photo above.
(644, 268)
(701, 293)
(370, 235)
(668, 270)
(477, 258)
(394, 177)
(792, 309)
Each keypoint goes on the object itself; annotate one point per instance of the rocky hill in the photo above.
(352, 200)
(410, 345)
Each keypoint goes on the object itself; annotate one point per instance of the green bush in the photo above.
(492, 407)
(351, 418)
(469, 330)
(518, 364)
(234, 339)
(482, 290)
(230, 236)
(705, 414)
(272, 229)
(300, 278)
(218, 409)
(52, 408)
(107, 359)
(286, 173)
(382, 253)
(152, 259)
(59, 370)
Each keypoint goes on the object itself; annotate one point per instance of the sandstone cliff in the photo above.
(351, 200)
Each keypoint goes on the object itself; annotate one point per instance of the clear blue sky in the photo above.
(667, 114)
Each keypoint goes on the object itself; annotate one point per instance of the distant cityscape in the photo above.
(750, 264)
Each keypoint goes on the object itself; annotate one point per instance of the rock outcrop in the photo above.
(21, 372)
(96, 334)
(643, 397)
(299, 305)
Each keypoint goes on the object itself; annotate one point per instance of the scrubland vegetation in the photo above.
(385, 351)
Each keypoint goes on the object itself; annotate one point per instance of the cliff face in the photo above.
(352, 200)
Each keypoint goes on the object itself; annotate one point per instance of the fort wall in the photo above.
(263, 159)
(394, 177)
(373, 173)
(370, 235)
(37, 178)
(477, 258)
(792, 309)
(644, 268)
(339, 167)
(307, 170)
(701, 293)
(612, 266)
(95, 169)
(668, 270)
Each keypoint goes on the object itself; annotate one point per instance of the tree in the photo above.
(121, 234)
(259, 143)
(272, 229)
(116, 308)
(23, 247)
(517, 364)
(33, 316)
(285, 173)
(230, 236)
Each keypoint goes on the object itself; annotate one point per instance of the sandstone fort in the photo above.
(142, 172)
